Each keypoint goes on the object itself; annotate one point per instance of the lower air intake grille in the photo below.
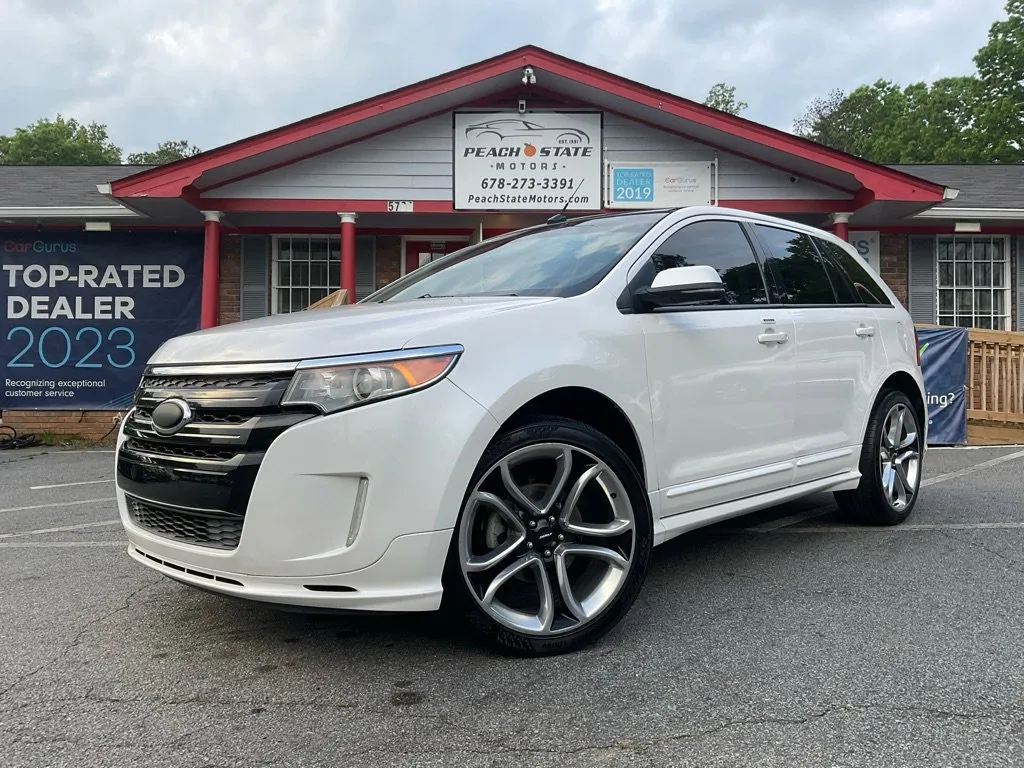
(216, 530)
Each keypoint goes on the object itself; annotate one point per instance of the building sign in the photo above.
(526, 162)
(83, 312)
(867, 245)
(658, 185)
(944, 365)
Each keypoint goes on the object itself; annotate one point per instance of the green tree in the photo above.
(59, 142)
(1000, 64)
(970, 118)
(723, 97)
(942, 122)
(165, 152)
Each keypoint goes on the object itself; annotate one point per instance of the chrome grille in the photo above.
(209, 464)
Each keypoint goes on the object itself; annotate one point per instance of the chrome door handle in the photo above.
(773, 338)
(865, 331)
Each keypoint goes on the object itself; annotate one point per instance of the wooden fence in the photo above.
(995, 387)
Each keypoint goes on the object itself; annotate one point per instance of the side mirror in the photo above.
(682, 287)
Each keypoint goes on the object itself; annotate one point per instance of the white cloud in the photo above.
(214, 72)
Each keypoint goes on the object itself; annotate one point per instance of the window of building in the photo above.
(799, 275)
(722, 245)
(308, 267)
(974, 281)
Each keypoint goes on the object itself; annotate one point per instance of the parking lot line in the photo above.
(961, 472)
(782, 522)
(59, 544)
(910, 527)
(67, 485)
(58, 504)
(63, 529)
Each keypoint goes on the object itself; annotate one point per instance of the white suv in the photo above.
(515, 426)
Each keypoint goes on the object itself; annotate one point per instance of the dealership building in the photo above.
(101, 263)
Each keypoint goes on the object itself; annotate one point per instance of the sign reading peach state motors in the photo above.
(523, 162)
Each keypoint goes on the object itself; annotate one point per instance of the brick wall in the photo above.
(92, 425)
(892, 252)
(230, 279)
(389, 260)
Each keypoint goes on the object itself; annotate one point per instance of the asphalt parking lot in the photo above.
(786, 638)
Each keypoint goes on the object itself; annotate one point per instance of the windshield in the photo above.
(560, 260)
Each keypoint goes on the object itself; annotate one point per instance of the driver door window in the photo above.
(722, 245)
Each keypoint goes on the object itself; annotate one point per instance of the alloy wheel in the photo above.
(900, 457)
(547, 539)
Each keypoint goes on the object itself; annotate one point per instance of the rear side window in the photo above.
(841, 285)
(798, 272)
(864, 285)
(722, 245)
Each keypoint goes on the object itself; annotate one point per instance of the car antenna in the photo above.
(559, 217)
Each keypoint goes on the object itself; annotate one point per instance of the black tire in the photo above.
(869, 504)
(459, 598)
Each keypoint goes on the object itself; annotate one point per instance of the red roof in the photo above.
(174, 179)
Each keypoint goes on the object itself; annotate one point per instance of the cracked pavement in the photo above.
(817, 644)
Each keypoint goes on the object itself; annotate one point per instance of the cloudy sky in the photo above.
(213, 71)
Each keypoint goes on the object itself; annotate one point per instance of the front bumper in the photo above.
(353, 510)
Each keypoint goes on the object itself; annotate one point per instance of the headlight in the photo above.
(333, 385)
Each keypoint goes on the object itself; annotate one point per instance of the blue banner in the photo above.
(84, 311)
(944, 365)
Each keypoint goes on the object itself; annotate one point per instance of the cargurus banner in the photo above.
(83, 311)
(944, 366)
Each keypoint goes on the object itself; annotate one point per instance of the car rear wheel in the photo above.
(890, 465)
(553, 541)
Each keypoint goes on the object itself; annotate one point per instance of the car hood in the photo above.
(347, 330)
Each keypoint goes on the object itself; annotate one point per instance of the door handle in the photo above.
(865, 331)
(780, 337)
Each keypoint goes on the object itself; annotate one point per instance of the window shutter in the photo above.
(253, 298)
(1020, 282)
(921, 279)
(366, 277)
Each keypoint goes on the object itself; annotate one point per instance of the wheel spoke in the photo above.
(563, 468)
(577, 491)
(545, 616)
(589, 550)
(565, 587)
(515, 491)
(474, 563)
(616, 527)
(907, 441)
(888, 481)
(892, 432)
(906, 488)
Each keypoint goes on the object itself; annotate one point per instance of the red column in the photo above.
(211, 269)
(841, 225)
(348, 254)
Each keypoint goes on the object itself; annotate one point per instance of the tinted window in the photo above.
(863, 283)
(841, 284)
(554, 260)
(800, 276)
(718, 244)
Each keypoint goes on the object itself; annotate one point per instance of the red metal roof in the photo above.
(176, 179)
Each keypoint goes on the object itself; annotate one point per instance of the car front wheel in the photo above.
(553, 541)
(890, 465)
